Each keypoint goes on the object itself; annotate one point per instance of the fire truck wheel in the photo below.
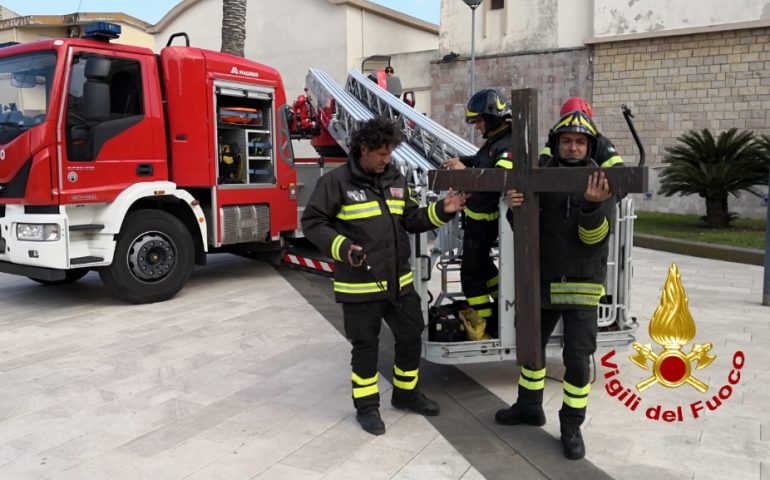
(153, 258)
(71, 276)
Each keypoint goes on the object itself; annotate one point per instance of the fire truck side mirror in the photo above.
(96, 90)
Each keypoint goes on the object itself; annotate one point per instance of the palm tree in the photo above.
(714, 169)
(233, 26)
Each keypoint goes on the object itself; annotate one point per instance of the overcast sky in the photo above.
(153, 10)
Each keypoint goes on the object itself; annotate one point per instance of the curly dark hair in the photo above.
(375, 133)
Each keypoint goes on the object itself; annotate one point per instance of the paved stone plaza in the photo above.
(240, 377)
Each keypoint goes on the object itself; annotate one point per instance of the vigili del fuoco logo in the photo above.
(672, 328)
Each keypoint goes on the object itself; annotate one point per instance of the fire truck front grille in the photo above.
(245, 223)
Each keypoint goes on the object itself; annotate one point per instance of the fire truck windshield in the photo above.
(25, 90)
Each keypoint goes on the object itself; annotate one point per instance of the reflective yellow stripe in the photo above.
(575, 402)
(530, 385)
(359, 392)
(565, 293)
(582, 120)
(433, 215)
(411, 196)
(403, 384)
(336, 244)
(504, 164)
(595, 235)
(481, 299)
(484, 312)
(532, 379)
(359, 288)
(405, 279)
(612, 161)
(482, 216)
(364, 381)
(365, 386)
(546, 151)
(574, 300)
(396, 207)
(570, 287)
(492, 282)
(576, 391)
(359, 210)
(408, 373)
(533, 374)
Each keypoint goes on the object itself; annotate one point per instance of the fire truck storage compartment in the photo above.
(245, 135)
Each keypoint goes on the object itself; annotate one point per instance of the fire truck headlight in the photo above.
(37, 232)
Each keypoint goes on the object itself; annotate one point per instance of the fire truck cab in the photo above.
(115, 159)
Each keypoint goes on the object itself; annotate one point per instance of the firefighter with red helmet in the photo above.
(360, 214)
(574, 228)
(604, 154)
(489, 112)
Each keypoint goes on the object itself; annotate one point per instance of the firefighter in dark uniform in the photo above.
(360, 214)
(574, 228)
(605, 154)
(490, 113)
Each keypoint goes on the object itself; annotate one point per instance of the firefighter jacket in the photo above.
(605, 155)
(350, 206)
(573, 247)
(495, 153)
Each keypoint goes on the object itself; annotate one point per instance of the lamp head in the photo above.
(473, 3)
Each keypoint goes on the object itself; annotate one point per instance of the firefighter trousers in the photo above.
(580, 330)
(478, 272)
(362, 328)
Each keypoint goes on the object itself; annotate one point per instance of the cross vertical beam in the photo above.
(526, 227)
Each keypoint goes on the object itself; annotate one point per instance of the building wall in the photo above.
(522, 25)
(311, 39)
(615, 18)
(556, 75)
(677, 84)
(371, 34)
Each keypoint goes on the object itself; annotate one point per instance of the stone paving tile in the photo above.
(372, 461)
(439, 460)
(329, 448)
(179, 462)
(472, 474)
(283, 472)
(411, 433)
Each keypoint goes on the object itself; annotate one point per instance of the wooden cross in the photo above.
(526, 219)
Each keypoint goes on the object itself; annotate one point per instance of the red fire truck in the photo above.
(115, 159)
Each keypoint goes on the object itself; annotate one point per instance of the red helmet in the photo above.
(576, 103)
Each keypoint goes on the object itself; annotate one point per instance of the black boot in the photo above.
(419, 404)
(370, 421)
(521, 413)
(572, 442)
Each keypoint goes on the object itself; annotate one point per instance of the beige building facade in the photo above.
(333, 35)
(31, 28)
(678, 65)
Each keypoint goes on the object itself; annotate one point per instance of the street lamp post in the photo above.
(766, 285)
(474, 5)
